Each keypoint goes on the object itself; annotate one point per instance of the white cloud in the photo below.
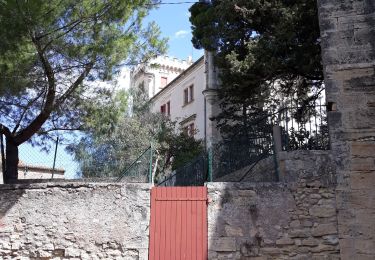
(181, 34)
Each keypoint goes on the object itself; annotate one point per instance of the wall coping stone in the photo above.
(72, 185)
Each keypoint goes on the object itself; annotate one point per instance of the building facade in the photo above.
(183, 91)
(155, 75)
(182, 100)
(35, 172)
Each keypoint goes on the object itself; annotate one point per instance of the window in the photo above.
(187, 125)
(189, 95)
(162, 109)
(165, 109)
(186, 96)
(191, 89)
(185, 130)
(168, 108)
(163, 82)
(189, 129)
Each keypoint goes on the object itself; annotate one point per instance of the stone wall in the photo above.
(348, 48)
(74, 221)
(289, 165)
(261, 171)
(308, 163)
(262, 221)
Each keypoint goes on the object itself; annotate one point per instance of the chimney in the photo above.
(190, 60)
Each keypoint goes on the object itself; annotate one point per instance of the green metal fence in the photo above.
(194, 173)
(244, 153)
(231, 156)
(140, 170)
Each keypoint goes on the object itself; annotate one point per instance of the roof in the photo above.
(40, 168)
(170, 84)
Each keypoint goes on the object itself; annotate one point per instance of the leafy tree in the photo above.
(109, 147)
(261, 48)
(52, 55)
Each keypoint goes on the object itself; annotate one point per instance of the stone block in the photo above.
(72, 252)
(324, 229)
(331, 240)
(310, 242)
(299, 233)
(363, 164)
(303, 249)
(324, 248)
(222, 244)
(272, 251)
(322, 211)
(361, 180)
(44, 254)
(295, 224)
(247, 193)
(306, 223)
(48, 246)
(15, 245)
(363, 246)
(284, 241)
(363, 149)
(233, 231)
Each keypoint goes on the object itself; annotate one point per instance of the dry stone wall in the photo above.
(262, 221)
(74, 221)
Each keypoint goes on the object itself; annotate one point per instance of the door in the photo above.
(178, 228)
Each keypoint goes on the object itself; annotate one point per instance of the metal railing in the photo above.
(194, 173)
(231, 156)
(304, 127)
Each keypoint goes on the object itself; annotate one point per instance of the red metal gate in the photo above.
(178, 228)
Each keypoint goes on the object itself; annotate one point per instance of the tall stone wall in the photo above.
(74, 221)
(264, 221)
(348, 48)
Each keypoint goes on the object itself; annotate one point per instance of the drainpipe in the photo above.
(153, 84)
(205, 123)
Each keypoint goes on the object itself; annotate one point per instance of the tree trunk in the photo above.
(11, 161)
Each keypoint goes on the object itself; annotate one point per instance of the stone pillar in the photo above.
(278, 148)
(212, 100)
(212, 133)
(348, 49)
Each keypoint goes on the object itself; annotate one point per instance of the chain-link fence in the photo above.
(140, 170)
(52, 163)
(55, 160)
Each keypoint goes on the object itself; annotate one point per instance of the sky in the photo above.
(173, 20)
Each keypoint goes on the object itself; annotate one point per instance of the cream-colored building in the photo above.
(28, 171)
(182, 100)
(185, 92)
(158, 73)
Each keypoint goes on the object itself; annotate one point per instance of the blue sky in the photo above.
(173, 21)
(174, 24)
